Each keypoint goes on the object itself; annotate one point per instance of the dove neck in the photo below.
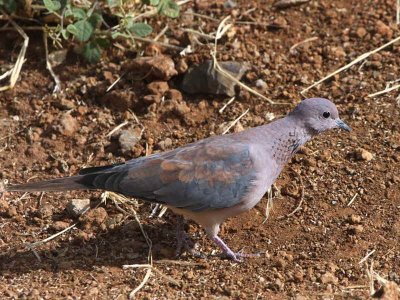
(289, 134)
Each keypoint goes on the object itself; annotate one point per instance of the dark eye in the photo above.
(326, 114)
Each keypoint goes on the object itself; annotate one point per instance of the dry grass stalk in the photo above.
(115, 129)
(357, 60)
(352, 199)
(52, 237)
(233, 123)
(398, 12)
(386, 90)
(226, 104)
(364, 259)
(269, 205)
(49, 67)
(16, 70)
(114, 83)
(116, 198)
(311, 39)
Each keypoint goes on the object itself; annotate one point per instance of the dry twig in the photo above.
(226, 105)
(352, 199)
(311, 39)
(269, 205)
(49, 67)
(16, 70)
(233, 123)
(398, 12)
(386, 90)
(364, 259)
(282, 4)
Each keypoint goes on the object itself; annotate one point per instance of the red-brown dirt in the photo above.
(312, 254)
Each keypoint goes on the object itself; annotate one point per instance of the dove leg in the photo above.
(224, 247)
(228, 252)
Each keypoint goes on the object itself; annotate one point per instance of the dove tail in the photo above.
(53, 185)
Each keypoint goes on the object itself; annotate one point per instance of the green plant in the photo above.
(84, 25)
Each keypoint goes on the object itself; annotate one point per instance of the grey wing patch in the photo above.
(208, 177)
(210, 174)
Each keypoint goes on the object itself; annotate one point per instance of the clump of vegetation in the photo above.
(83, 22)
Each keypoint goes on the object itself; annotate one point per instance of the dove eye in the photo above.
(326, 114)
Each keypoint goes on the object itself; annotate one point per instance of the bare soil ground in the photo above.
(312, 254)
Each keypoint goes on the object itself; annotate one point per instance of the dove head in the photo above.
(318, 115)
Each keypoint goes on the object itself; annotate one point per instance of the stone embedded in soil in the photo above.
(328, 277)
(77, 207)
(355, 229)
(150, 99)
(280, 263)
(338, 52)
(4, 206)
(11, 212)
(383, 29)
(45, 211)
(205, 4)
(64, 104)
(283, 4)
(261, 84)
(161, 67)
(120, 100)
(205, 79)
(68, 125)
(173, 94)
(181, 66)
(291, 189)
(165, 144)
(179, 108)
(238, 127)
(389, 291)
(95, 217)
(59, 225)
(355, 219)
(158, 87)
(361, 32)
(128, 139)
(362, 154)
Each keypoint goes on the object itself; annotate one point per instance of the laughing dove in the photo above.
(212, 179)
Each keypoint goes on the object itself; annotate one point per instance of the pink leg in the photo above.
(224, 247)
(228, 252)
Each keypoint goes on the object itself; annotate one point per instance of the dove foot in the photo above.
(235, 256)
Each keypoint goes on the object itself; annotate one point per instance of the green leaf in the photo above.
(91, 52)
(140, 29)
(65, 34)
(115, 34)
(151, 2)
(9, 5)
(82, 30)
(95, 19)
(71, 28)
(52, 5)
(112, 3)
(78, 13)
(169, 8)
(103, 42)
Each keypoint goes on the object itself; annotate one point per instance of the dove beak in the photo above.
(342, 125)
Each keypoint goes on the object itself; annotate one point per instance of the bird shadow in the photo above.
(116, 247)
